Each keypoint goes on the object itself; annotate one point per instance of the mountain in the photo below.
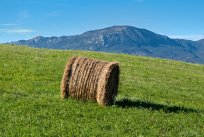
(200, 48)
(125, 39)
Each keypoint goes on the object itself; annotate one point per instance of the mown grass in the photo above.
(156, 97)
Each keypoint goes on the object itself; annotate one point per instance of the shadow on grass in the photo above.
(127, 103)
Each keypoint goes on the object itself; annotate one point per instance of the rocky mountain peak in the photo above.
(125, 39)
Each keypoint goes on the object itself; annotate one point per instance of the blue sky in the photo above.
(24, 19)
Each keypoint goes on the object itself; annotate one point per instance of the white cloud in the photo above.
(8, 24)
(193, 37)
(16, 30)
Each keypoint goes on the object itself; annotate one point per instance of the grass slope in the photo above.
(156, 97)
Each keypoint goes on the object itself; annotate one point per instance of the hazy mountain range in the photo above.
(125, 39)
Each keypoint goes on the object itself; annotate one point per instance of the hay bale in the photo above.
(88, 79)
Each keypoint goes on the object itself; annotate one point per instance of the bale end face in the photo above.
(108, 84)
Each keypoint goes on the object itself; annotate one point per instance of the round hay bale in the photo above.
(88, 79)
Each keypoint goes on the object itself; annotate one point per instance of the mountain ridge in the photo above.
(125, 39)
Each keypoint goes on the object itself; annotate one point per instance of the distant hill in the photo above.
(125, 39)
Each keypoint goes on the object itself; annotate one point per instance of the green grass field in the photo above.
(156, 97)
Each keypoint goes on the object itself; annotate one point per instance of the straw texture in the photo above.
(88, 79)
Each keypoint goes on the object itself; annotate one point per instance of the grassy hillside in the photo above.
(156, 97)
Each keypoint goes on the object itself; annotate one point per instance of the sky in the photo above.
(25, 19)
